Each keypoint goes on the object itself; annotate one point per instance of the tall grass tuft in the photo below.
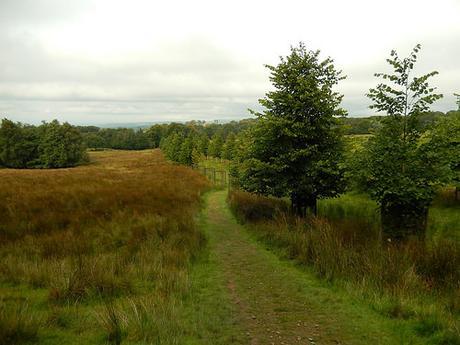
(18, 323)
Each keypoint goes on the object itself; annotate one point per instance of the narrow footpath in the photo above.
(275, 302)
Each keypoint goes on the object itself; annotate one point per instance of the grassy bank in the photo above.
(99, 253)
(416, 284)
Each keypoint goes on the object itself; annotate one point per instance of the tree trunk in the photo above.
(301, 204)
(401, 222)
(312, 205)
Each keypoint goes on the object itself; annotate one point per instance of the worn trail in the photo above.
(276, 302)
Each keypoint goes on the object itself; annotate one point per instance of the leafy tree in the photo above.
(60, 145)
(202, 144)
(400, 172)
(215, 145)
(228, 149)
(155, 133)
(197, 157)
(185, 153)
(458, 100)
(50, 145)
(18, 145)
(295, 147)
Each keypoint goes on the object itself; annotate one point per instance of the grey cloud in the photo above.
(38, 12)
(191, 78)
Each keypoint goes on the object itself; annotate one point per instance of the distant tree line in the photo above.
(50, 145)
(115, 138)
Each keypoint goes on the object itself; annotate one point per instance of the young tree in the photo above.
(228, 149)
(295, 147)
(400, 173)
(185, 152)
(215, 145)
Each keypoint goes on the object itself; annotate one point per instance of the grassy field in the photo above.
(120, 251)
(415, 283)
(99, 253)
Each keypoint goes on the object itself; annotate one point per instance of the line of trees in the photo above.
(50, 145)
(189, 143)
(115, 138)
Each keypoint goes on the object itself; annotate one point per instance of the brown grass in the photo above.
(119, 227)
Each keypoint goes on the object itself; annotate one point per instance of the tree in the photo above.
(458, 100)
(18, 145)
(60, 145)
(185, 152)
(295, 147)
(215, 145)
(202, 144)
(401, 173)
(228, 149)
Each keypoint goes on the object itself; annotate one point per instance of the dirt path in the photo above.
(277, 303)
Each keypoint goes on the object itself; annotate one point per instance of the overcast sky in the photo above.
(109, 61)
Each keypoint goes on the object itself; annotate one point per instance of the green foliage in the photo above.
(398, 169)
(215, 145)
(228, 149)
(445, 140)
(60, 145)
(295, 147)
(187, 143)
(50, 145)
(120, 138)
(18, 145)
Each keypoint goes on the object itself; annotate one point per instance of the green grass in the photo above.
(443, 216)
(414, 285)
(210, 318)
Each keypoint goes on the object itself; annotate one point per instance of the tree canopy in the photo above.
(295, 147)
(400, 170)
